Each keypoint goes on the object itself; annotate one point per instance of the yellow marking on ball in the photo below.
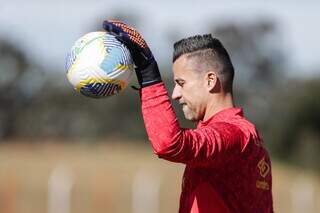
(124, 67)
(99, 80)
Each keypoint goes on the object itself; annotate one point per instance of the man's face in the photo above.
(190, 89)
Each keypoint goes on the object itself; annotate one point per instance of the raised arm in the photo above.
(201, 146)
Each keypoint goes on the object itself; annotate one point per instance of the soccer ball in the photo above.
(98, 65)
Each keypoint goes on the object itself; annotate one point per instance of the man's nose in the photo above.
(176, 93)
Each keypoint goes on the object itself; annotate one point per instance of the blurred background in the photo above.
(61, 152)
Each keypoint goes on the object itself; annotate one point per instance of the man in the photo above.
(227, 167)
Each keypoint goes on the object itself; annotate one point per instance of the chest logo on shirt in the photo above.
(263, 167)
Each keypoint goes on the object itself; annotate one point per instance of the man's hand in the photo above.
(146, 66)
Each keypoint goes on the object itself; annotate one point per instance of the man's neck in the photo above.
(217, 103)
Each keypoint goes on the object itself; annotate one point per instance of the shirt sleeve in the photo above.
(196, 146)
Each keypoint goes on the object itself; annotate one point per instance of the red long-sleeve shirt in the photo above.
(227, 167)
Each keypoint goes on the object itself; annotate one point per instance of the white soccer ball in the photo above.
(98, 65)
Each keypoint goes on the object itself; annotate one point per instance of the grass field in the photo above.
(118, 178)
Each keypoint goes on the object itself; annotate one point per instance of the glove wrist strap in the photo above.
(150, 75)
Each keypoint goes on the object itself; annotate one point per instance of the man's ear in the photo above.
(212, 81)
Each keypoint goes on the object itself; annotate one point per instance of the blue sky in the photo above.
(47, 29)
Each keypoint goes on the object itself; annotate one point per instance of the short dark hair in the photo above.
(209, 51)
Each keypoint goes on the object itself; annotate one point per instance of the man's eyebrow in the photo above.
(178, 79)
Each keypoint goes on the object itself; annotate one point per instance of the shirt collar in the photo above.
(223, 115)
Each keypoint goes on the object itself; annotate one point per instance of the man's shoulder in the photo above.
(237, 121)
(243, 123)
(236, 125)
(233, 116)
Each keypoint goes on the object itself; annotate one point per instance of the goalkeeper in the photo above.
(227, 167)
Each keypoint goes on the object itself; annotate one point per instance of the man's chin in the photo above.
(189, 117)
(188, 114)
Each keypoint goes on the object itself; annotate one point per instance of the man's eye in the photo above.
(180, 83)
